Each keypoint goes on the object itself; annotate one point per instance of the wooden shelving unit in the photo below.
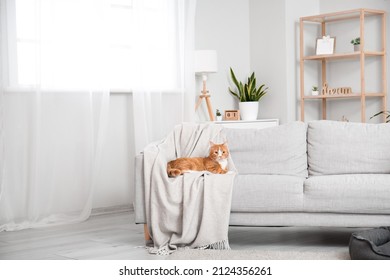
(361, 55)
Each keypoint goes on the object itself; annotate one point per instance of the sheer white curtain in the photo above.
(53, 109)
(163, 81)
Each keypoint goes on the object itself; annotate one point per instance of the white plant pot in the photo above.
(249, 110)
(314, 92)
(356, 48)
(219, 118)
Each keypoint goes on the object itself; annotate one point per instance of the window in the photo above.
(63, 44)
(121, 43)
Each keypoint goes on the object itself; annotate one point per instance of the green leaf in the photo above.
(377, 114)
(387, 113)
(250, 87)
(248, 94)
(235, 94)
(233, 77)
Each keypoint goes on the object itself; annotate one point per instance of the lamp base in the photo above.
(208, 101)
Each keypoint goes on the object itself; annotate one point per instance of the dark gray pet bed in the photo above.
(373, 244)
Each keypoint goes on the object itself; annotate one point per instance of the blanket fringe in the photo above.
(164, 251)
(219, 245)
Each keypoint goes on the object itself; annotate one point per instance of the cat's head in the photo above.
(219, 151)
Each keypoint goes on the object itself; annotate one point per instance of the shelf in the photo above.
(339, 16)
(335, 96)
(343, 55)
(358, 16)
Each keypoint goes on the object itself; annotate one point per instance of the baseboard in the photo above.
(112, 210)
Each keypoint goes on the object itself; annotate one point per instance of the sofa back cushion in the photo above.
(277, 150)
(348, 148)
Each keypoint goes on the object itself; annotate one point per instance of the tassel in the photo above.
(219, 245)
(164, 251)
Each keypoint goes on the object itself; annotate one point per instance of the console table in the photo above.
(250, 124)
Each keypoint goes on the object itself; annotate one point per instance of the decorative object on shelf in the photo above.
(385, 113)
(205, 63)
(249, 110)
(344, 119)
(331, 91)
(325, 45)
(356, 44)
(218, 115)
(232, 115)
(314, 90)
(248, 96)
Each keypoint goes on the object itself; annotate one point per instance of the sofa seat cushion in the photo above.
(267, 193)
(348, 148)
(353, 193)
(279, 150)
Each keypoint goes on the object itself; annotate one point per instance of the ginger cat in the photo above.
(216, 162)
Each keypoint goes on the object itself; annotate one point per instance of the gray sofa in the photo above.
(324, 173)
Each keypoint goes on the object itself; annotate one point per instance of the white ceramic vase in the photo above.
(315, 92)
(356, 48)
(249, 110)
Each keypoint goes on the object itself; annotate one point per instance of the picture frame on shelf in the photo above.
(325, 45)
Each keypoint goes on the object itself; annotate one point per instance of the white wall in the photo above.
(268, 55)
(275, 53)
(328, 6)
(293, 11)
(223, 25)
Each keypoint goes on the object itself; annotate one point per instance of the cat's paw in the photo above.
(174, 173)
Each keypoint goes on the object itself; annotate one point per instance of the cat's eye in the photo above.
(223, 152)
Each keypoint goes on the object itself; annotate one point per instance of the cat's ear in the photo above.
(224, 143)
(211, 143)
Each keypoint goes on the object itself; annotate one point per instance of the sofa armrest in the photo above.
(139, 190)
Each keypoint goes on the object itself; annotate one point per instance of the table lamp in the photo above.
(205, 63)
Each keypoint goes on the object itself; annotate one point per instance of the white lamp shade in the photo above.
(206, 61)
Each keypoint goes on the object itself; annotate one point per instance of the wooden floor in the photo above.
(115, 236)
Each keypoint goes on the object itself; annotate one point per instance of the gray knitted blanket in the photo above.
(191, 210)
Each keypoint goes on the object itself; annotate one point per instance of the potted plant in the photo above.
(219, 115)
(248, 95)
(356, 44)
(386, 113)
(314, 90)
